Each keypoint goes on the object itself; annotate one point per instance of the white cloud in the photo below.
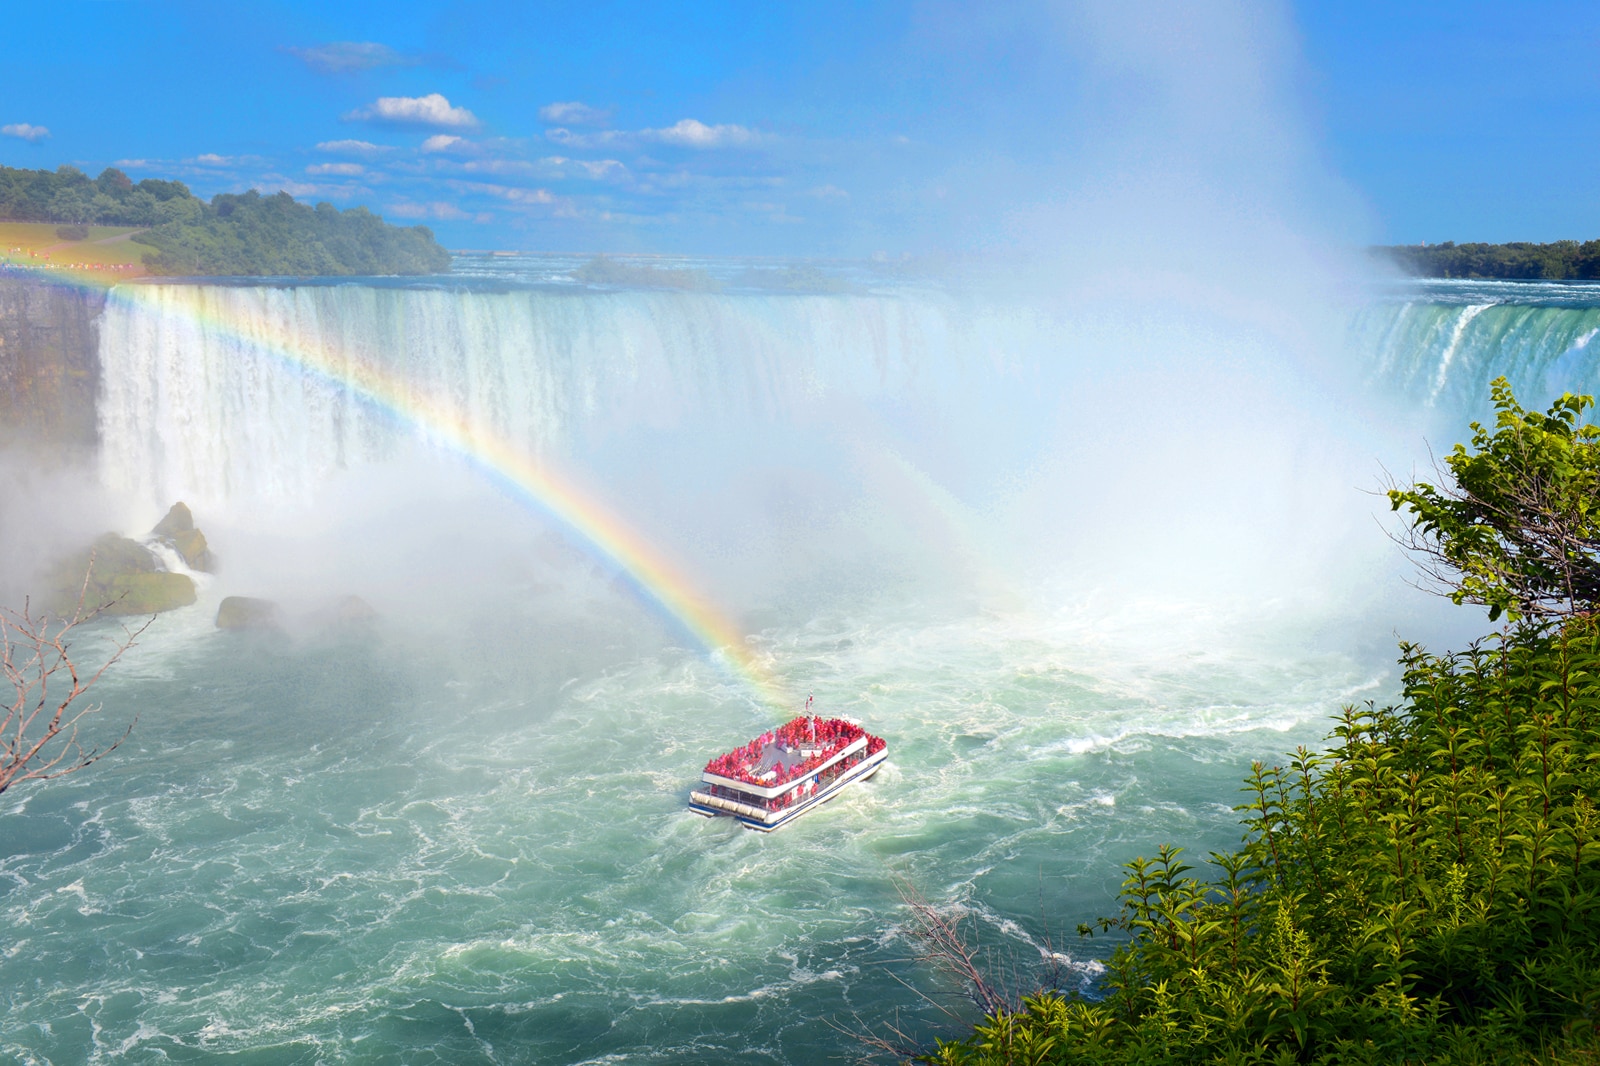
(435, 209)
(445, 142)
(596, 169)
(554, 167)
(690, 133)
(686, 133)
(211, 159)
(360, 148)
(306, 190)
(348, 170)
(348, 57)
(604, 138)
(132, 164)
(600, 169)
(501, 166)
(512, 193)
(828, 192)
(688, 180)
(31, 134)
(573, 113)
(431, 110)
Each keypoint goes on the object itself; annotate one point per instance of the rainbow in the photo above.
(654, 577)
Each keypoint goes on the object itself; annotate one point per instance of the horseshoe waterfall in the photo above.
(1079, 559)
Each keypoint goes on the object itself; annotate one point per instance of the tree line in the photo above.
(1516, 261)
(234, 234)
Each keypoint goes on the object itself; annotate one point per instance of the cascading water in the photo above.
(230, 393)
(1442, 352)
(460, 834)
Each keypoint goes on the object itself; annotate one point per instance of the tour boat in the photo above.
(782, 774)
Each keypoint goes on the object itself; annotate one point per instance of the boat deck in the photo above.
(783, 774)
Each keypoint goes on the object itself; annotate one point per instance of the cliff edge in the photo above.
(49, 361)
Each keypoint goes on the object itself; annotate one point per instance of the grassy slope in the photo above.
(109, 253)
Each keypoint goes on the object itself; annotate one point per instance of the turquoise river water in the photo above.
(457, 834)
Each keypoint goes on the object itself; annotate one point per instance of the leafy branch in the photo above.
(1514, 523)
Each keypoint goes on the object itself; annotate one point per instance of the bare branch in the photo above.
(942, 936)
(42, 722)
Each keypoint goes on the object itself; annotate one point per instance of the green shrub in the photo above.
(1425, 890)
(72, 233)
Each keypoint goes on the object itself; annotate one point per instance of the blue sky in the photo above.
(830, 128)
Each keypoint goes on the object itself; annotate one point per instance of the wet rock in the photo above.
(246, 612)
(350, 616)
(178, 531)
(150, 593)
(354, 610)
(123, 578)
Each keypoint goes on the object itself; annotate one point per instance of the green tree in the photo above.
(243, 234)
(75, 203)
(1515, 522)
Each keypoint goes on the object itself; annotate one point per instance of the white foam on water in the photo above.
(465, 829)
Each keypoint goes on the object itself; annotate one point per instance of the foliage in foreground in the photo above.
(1515, 523)
(1426, 890)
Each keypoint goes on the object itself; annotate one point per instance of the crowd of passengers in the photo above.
(794, 795)
(828, 734)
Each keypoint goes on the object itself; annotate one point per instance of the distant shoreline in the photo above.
(1514, 261)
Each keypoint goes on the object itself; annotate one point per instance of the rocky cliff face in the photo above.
(49, 364)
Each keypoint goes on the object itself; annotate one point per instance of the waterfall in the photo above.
(1443, 354)
(217, 393)
(954, 430)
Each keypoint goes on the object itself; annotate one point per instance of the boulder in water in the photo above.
(178, 530)
(350, 616)
(150, 593)
(354, 610)
(123, 578)
(247, 612)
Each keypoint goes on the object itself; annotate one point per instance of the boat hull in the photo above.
(766, 821)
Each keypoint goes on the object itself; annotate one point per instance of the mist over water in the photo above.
(1078, 568)
(1080, 544)
(782, 446)
(1080, 536)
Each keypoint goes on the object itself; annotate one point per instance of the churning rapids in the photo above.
(1078, 564)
